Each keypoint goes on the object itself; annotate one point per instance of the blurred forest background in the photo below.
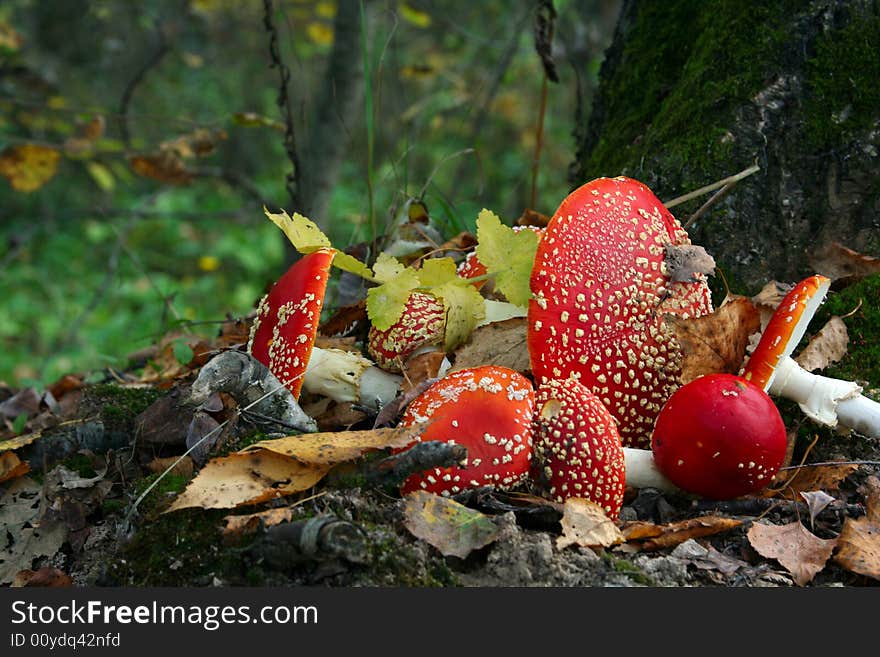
(139, 142)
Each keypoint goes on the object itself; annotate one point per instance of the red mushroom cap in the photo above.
(284, 330)
(719, 436)
(600, 290)
(785, 329)
(471, 267)
(577, 447)
(487, 409)
(422, 323)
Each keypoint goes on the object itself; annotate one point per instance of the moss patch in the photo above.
(118, 406)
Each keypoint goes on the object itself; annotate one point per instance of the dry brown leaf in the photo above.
(805, 478)
(182, 469)
(11, 466)
(247, 478)
(48, 576)
(533, 218)
(422, 367)
(165, 166)
(647, 536)
(584, 523)
(800, 552)
(28, 167)
(452, 528)
(826, 347)
(715, 342)
(768, 299)
(239, 526)
(838, 262)
(344, 319)
(859, 540)
(499, 343)
(330, 448)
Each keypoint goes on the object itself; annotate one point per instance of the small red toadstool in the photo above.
(719, 436)
(487, 409)
(283, 336)
(422, 325)
(577, 447)
(601, 286)
(823, 399)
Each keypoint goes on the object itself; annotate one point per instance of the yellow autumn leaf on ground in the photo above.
(795, 547)
(332, 447)
(28, 167)
(11, 466)
(584, 523)
(247, 478)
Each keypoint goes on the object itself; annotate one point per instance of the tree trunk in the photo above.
(694, 90)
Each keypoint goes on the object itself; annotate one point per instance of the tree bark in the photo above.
(694, 90)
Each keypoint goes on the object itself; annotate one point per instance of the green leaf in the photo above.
(18, 424)
(302, 232)
(182, 352)
(349, 263)
(387, 267)
(385, 303)
(436, 271)
(507, 255)
(465, 308)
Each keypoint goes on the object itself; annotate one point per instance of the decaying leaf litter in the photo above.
(284, 507)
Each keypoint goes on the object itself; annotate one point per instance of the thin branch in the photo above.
(745, 173)
(717, 196)
(152, 61)
(292, 179)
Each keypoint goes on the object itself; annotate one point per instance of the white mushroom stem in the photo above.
(345, 376)
(642, 471)
(827, 400)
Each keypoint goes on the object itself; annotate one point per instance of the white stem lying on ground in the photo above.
(345, 376)
(826, 400)
(642, 471)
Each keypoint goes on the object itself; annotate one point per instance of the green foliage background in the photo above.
(100, 261)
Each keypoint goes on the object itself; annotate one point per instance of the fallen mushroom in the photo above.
(601, 287)
(487, 409)
(283, 336)
(823, 399)
(719, 436)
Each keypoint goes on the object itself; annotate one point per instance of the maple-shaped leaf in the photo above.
(465, 309)
(507, 255)
(437, 271)
(387, 267)
(795, 547)
(386, 302)
(307, 238)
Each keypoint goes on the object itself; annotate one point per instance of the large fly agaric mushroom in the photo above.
(283, 336)
(719, 436)
(487, 409)
(601, 286)
(824, 399)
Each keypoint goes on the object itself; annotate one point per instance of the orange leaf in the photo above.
(648, 536)
(808, 478)
(800, 552)
(29, 166)
(165, 167)
(11, 466)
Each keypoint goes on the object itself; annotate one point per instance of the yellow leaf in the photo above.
(465, 308)
(101, 175)
(302, 232)
(449, 526)
(330, 448)
(209, 263)
(247, 478)
(387, 267)
(507, 255)
(29, 166)
(320, 33)
(414, 16)
(385, 303)
(437, 271)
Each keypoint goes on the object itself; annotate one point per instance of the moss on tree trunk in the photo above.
(694, 90)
